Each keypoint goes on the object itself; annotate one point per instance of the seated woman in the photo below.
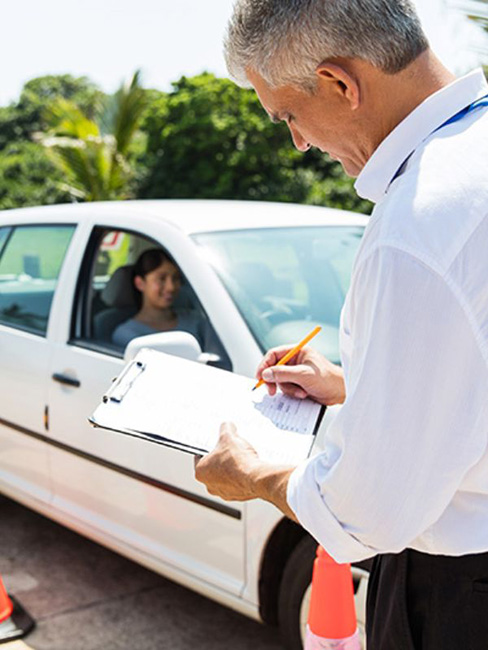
(157, 282)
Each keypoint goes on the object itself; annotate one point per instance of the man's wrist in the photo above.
(270, 483)
(339, 396)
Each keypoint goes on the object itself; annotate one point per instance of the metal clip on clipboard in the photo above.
(123, 382)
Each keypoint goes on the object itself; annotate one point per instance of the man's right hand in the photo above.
(308, 374)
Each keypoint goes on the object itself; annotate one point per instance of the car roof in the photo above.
(196, 215)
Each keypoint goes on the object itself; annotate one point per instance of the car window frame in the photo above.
(7, 238)
(81, 315)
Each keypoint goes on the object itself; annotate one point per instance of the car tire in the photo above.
(294, 596)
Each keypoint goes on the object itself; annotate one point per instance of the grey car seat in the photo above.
(119, 298)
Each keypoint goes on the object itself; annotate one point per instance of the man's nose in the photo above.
(300, 143)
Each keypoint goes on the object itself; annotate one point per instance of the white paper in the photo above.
(185, 403)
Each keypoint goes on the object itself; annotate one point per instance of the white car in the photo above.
(256, 275)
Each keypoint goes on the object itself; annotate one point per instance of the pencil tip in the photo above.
(253, 388)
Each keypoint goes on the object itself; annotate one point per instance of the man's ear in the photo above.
(341, 81)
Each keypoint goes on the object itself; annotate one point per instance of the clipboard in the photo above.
(170, 401)
(123, 382)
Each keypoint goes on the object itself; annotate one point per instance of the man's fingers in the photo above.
(198, 467)
(284, 374)
(292, 390)
(231, 441)
(288, 379)
(227, 435)
(228, 427)
(271, 358)
(272, 388)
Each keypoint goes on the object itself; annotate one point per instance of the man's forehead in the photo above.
(273, 100)
(254, 77)
(262, 89)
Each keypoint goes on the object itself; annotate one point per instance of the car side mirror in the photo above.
(179, 344)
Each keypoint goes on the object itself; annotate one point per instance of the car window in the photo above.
(109, 301)
(30, 263)
(285, 280)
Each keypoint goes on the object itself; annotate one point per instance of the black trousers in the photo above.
(428, 602)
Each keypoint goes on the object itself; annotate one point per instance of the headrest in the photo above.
(119, 290)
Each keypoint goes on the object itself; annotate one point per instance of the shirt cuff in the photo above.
(307, 502)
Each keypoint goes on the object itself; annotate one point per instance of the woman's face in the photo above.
(160, 287)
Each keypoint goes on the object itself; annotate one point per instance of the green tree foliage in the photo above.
(209, 138)
(26, 117)
(27, 176)
(94, 153)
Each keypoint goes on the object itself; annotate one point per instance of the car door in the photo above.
(140, 498)
(31, 257)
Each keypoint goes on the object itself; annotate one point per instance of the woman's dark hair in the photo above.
(150, 260)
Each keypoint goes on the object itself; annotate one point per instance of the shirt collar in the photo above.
(376, 176)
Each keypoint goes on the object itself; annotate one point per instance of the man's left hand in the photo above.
(234, 472)
(227, 470)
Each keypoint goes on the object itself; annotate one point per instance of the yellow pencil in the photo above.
(289, 355)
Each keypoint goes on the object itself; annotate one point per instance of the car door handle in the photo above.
(64, 379)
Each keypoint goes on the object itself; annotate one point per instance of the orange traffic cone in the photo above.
(332, 621)
(15, 622)
(6, 605)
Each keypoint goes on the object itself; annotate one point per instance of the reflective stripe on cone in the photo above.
(314, 642)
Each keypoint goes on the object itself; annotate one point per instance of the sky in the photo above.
(107, 40)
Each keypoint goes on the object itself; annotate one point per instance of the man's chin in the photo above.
(350, 169)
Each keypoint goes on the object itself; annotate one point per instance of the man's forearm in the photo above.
(270, 484)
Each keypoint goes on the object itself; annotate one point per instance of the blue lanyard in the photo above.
(479, 103)
(482, 101)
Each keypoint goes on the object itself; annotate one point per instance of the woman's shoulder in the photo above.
(129, 330)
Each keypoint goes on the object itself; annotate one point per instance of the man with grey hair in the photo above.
(404, 473)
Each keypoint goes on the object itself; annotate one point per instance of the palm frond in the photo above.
(65, 118)
(124, 111)
(92, 156)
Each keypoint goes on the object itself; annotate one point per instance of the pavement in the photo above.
(85, 597)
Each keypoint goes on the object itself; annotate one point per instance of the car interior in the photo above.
(110, 297)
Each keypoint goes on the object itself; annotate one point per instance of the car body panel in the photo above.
(24, 459)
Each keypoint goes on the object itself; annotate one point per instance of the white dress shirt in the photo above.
(406, 459)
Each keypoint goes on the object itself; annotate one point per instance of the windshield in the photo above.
(285, 281)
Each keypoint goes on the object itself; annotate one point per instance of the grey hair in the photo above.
(285, 40)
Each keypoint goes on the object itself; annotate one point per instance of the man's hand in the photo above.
(308, 374)
(227, 470)
(234, 472)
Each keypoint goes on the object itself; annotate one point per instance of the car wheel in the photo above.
(295, 590)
